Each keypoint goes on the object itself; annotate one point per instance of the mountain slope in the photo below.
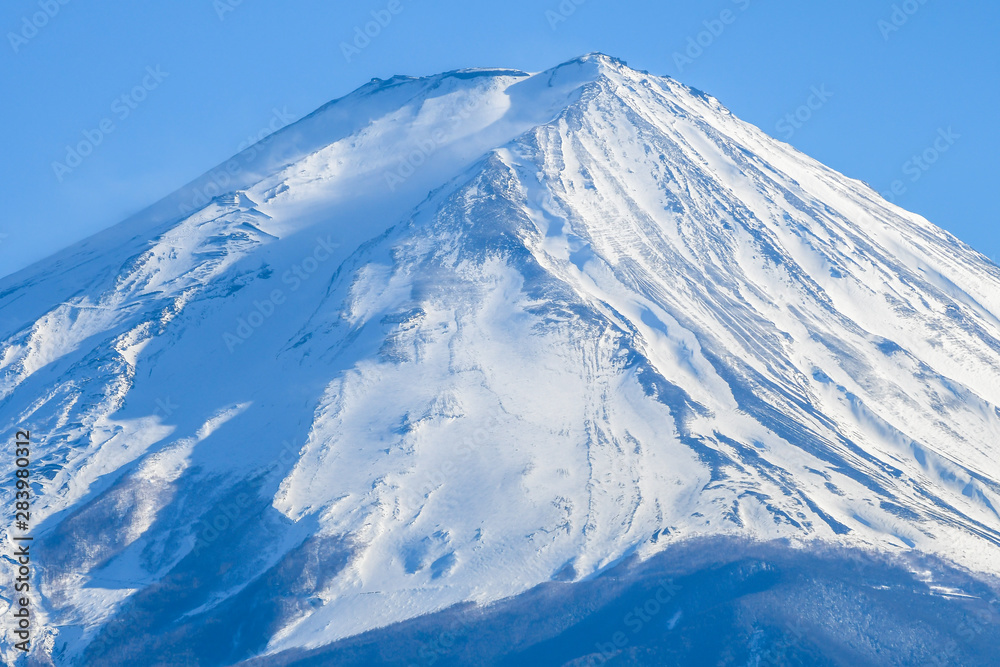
(450, 338)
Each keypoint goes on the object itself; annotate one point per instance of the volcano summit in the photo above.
(492, 336)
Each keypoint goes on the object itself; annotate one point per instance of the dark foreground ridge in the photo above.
(708, 602)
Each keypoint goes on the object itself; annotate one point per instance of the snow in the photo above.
(479, 327)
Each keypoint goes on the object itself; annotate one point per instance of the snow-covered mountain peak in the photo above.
(448, 338)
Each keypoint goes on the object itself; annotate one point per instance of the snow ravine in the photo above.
(448, 338)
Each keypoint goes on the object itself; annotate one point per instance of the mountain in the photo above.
(460, 339)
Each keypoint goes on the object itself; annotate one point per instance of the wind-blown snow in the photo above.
(509, 328)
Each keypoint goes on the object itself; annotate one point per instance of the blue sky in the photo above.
(165, 91)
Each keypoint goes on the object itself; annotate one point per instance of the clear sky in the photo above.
(164, 91)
